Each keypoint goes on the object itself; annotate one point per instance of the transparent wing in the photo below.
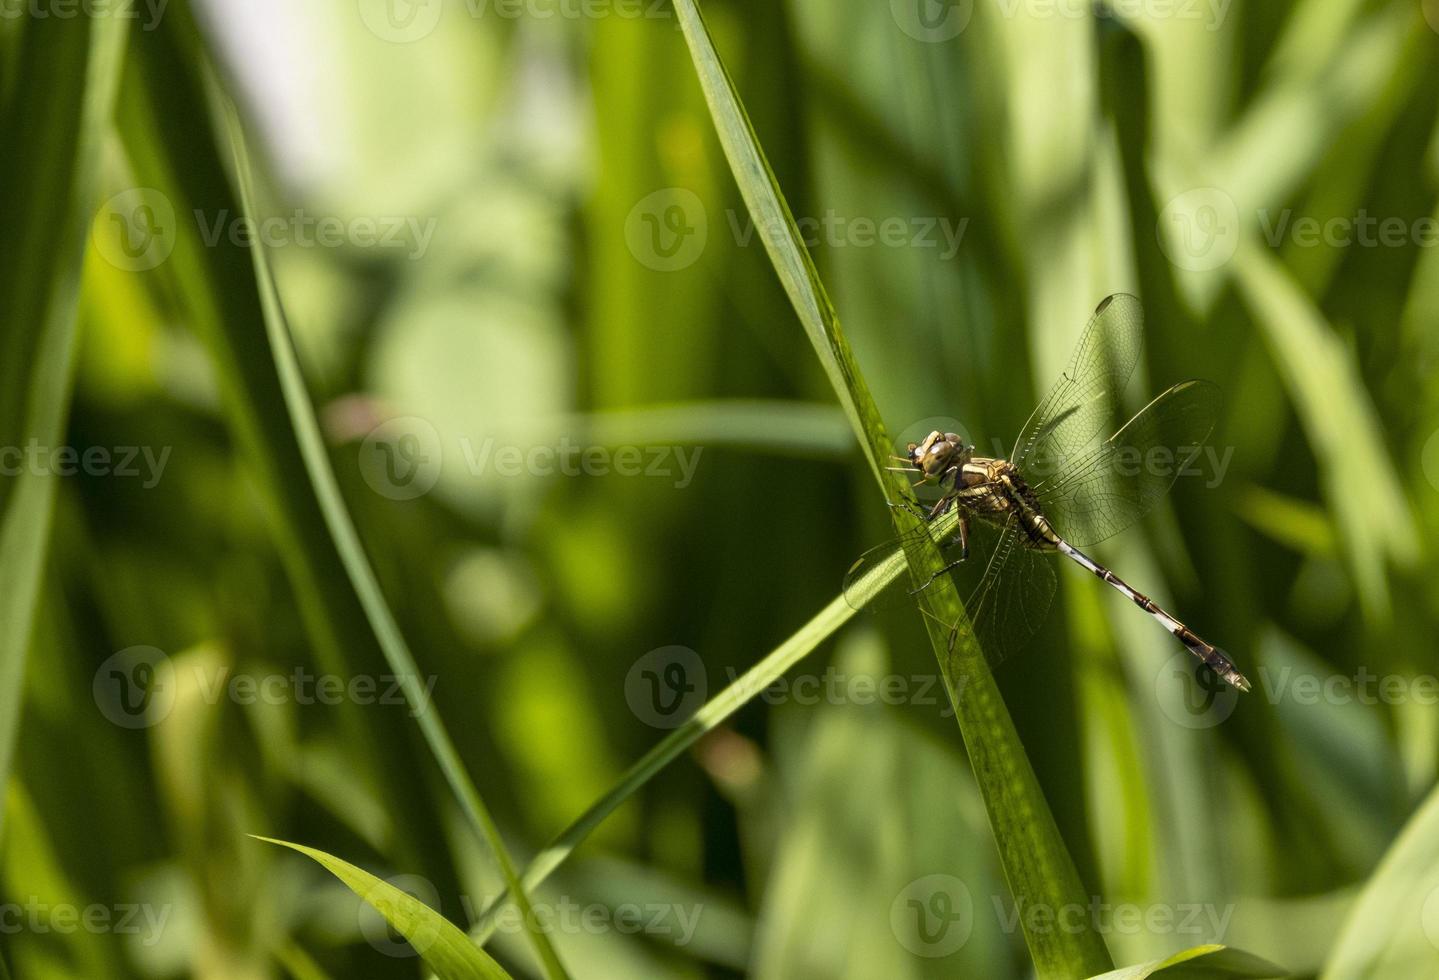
(1007, 587)
(1011, 597)
(1103, 491)
(879, 578)
(1082, 404)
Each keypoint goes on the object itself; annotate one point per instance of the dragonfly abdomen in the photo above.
(1211, 655)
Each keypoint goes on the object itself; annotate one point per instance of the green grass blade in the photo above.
(1035, 858)
(1393, 930)
(357, 566)
(171, 145)
(67, 70)
(1211, 962)
(443, 945)
(718, 708)
(745, 688)
(228, 292)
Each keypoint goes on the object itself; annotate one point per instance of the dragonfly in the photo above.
(1061, 489)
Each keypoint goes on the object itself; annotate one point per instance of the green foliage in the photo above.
(610, 596)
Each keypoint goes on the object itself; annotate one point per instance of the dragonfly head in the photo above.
(940, 452)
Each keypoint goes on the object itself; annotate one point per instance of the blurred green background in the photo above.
(599, 474)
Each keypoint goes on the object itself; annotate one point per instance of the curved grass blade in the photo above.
(718, 708)
(1036, 861)
(171, 144)
(1212, 962)
(66, 71)
(362, 576)
(443, 945)
(1394, 927)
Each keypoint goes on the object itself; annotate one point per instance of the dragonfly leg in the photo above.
(961, 539)
(951, 566)
(909, 504)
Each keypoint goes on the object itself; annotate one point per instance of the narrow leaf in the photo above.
(1038, 865)
(443, 945)
(1210, 962)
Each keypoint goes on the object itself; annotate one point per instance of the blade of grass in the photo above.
(230, 295)
(67, 71)
(357, 566)
(1036, 861)
(745, 688)
(441, 943)
(1210, 962)
(1393, 930)
(171, 146)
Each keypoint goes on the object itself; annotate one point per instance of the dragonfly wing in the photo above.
(1102, 492)
(1009, 603)
(1082, 404)
(880, 579)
